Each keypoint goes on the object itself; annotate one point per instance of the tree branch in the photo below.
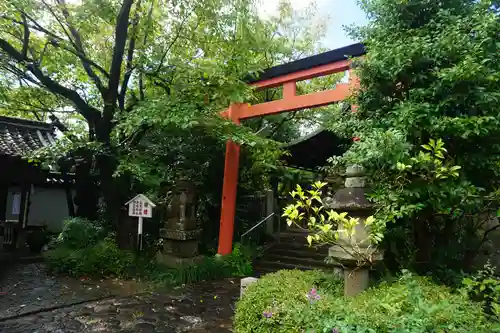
(57, 41)
(42, 54)
(121, 32)
(130, 57)
(57, 123)
(59, 21)
(488, 231)
(142, 95)
(85, 110)
(35, 26)
(173, 42)
(77, 42)
(26, 38)
(82, 57)
(11, 51)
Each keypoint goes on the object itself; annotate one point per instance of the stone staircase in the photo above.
(291, 251)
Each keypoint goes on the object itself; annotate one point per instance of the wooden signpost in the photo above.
(140, 206)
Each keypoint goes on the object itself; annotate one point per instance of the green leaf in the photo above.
(427, 147)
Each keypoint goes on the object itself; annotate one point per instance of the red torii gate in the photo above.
(286, 75)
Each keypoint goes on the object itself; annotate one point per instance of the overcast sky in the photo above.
(341, 12)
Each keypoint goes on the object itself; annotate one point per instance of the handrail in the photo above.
(255, 226)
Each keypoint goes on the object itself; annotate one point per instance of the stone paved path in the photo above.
(37, 303)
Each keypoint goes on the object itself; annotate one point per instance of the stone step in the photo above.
(296, 246)
(292, 234)
(271, 266)
(296, 261)
(318, 254)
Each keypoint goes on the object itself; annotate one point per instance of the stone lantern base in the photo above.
(174, 261)
(356, 275)
(180, 248)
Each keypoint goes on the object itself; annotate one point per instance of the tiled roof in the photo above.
(343, 53)
(21, 136)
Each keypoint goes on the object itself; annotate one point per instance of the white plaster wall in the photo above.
(10, 195)
(48, 207)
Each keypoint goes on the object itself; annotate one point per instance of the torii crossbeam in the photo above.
(286, 75)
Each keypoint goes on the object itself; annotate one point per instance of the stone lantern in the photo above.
(181, 233)
(350, 251)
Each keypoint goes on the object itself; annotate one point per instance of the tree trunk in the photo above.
(115, 192)
(87, 195)
(423, 243)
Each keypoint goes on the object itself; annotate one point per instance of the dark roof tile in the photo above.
(21, 136)
(343, 53)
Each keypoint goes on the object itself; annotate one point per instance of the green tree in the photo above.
(432, 71)
(131, 80)
(198, 153)
(114, 63)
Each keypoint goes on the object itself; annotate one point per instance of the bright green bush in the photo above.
(412, 305)
(282, 302)
(279, 302)
(103, 259)
(79, 233)
(240, 260)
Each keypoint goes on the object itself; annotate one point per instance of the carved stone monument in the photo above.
(181, 233)
(351, 252)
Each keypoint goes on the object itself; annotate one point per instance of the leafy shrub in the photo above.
(238, 263)
(412, 305)
(286, 302)
(103, 259)
(79, 233)
(279, 302)
(484, 287)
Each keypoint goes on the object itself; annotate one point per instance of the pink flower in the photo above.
(313, 296)
(356, 139)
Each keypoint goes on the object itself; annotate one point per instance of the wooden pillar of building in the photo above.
(4, 190)
(21, 232)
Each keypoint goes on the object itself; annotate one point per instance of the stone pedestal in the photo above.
(355, 280)
(245, 282)
(181, 234)
(351, 253)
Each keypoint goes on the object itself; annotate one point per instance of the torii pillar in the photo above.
(290, 102)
